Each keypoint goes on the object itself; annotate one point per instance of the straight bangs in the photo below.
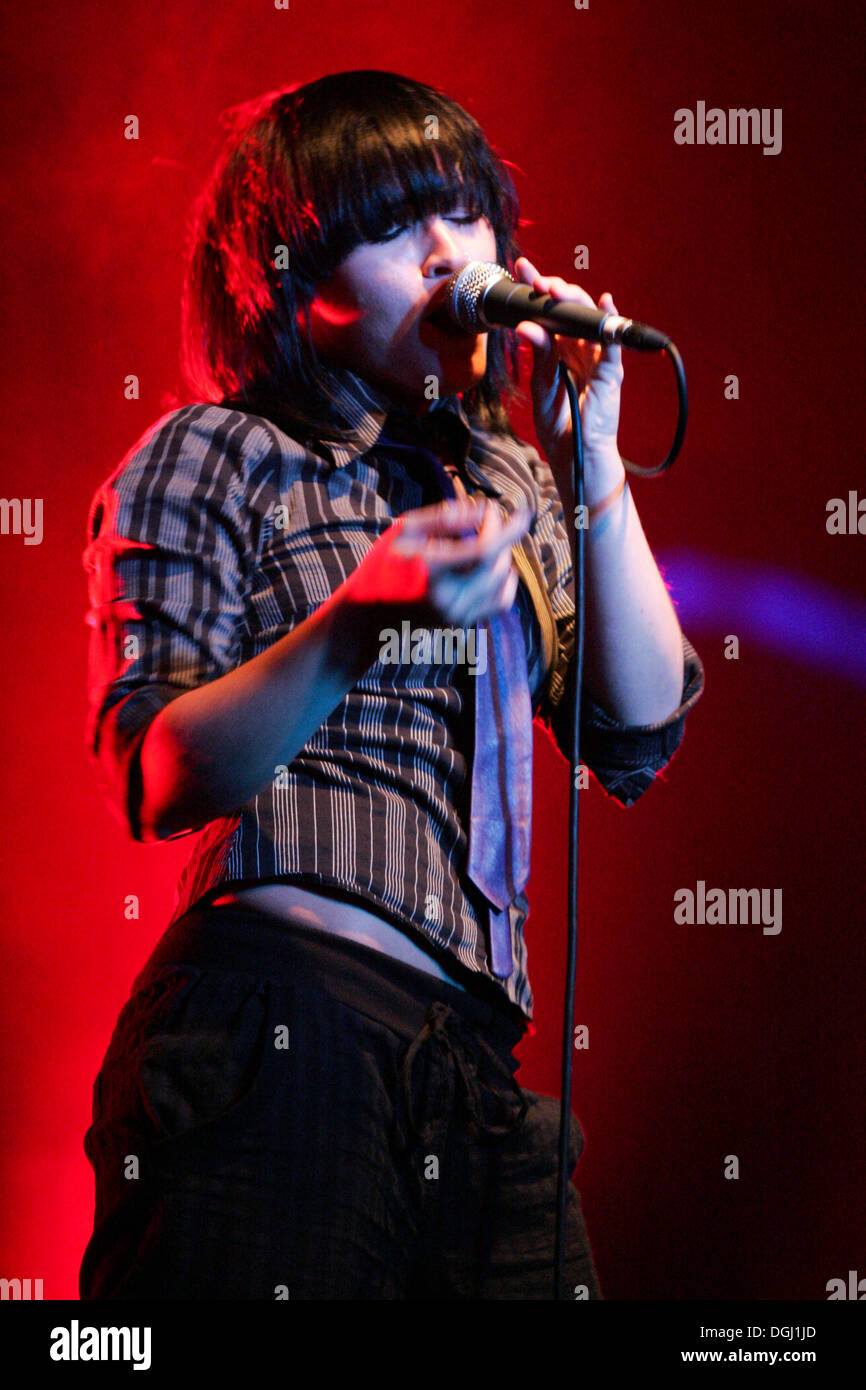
(406, 154)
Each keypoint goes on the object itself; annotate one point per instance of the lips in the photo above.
(441, 319)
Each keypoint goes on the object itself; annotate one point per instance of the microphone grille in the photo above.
(465, 289)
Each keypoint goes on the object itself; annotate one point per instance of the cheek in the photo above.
(387, 306)
(485, 246)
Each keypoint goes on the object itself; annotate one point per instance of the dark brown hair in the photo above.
(318, 169)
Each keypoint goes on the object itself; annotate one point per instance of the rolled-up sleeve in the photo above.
(168, 577)
(623, 758)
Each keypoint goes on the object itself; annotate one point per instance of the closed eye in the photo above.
(461, 218)
(388, 236)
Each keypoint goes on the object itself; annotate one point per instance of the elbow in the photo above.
(147, 824)
(140, 777)
(170, 792)
(151, 827)
(154, 812)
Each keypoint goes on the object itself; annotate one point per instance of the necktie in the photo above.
(500, 825)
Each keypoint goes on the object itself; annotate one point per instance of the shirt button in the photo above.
(433, 907)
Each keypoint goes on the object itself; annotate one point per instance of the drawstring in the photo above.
(444, 1029)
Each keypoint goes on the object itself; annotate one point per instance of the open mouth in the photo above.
(441, 319)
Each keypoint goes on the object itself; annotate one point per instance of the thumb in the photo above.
(534, 334)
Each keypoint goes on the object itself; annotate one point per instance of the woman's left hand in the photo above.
(598, 374)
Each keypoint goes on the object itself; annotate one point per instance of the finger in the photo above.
(468, 600)
(491, 525)
(457, 516)
(496, 519)
(518, 523)
(498, 534)
(473, 553)
(563, 289)
(453, 513)
(492, 521)
(525, 271)
(499, 593)
(528, 332)
(459, 597)
(495, 569)
(611, 353)
(477, 554)
(556, 287)
(534, 334)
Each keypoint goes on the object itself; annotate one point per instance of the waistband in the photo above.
(246, 941)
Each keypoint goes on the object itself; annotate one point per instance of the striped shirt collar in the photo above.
(365, 410)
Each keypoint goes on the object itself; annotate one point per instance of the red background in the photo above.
(704, 1041)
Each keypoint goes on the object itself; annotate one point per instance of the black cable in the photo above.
(670, 350)
(575, 688)
(573, 694)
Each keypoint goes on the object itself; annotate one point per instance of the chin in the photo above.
(455, 377)
(458, 386)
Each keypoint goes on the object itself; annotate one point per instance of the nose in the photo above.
(445, 253)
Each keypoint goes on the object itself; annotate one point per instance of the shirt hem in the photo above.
(477, 981)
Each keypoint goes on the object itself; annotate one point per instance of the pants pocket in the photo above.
(148, 1009)
(203, 1064)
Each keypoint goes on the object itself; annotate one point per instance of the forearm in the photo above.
(213, 748)
(633, 659)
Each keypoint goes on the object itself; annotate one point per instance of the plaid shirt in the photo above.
(214, 537)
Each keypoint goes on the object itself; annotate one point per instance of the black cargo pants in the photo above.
(282, 1113)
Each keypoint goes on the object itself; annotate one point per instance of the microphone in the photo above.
(483, 295)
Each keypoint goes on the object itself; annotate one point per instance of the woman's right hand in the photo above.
(450, 562)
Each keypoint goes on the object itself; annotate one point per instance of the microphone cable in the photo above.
(573, 694)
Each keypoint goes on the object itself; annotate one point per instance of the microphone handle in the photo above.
(504, 303)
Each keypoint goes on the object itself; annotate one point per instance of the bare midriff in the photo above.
(310, 909)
